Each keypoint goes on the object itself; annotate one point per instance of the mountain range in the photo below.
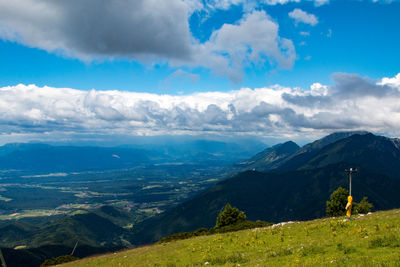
(286, 182)
(38, 157)
(281, 183)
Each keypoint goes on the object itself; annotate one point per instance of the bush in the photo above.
(230, 216)
(177, 236)
(58, 260)
(204, 231)
(363, 207)
(336, 207)
(239, 226)
(200, 231)
(229, 220)
(385, 241)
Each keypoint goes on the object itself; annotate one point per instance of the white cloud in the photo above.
(92, 29)
(320, 2)
(180, 75)
(283, 2)
(395, 81)
(301, 16)
(226, 4)
(351, 103)
(253, 40)
(223, 4)
(329, 34)
(383, 1)
(147, 31)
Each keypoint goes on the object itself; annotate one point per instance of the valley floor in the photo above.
(366, 240)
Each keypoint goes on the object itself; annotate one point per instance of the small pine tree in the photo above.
(364, 206)
(336, 207)
(230, 216)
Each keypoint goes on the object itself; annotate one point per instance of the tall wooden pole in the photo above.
(73, 250)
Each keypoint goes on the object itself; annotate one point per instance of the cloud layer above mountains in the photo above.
(353, 102)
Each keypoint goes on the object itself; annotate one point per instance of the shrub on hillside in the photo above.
(184, 235)
(239, 226)
(363, 207)
(336, 206)
(225, 229)
(58, 260)
(230, 216)
(229, 220)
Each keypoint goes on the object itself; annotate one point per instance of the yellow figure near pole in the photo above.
(349, 198)
(349, 205)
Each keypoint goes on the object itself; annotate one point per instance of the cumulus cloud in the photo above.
(383, 1)
(353, 102)
(395, 81)
(147, 31)
(254, 40)
(180, 75)
(320, 2)
(282, 2)
(301, 16)
(87, 29)
(226, 4)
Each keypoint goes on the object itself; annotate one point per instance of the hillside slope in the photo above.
(95, 228)
(298, 194)
(369, 240)
(98, 231)
(307, 152)
(269, 158)
(272, 197)
(289, 156)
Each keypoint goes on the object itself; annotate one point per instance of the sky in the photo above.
(272, 69)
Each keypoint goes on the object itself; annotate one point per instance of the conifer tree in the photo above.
(336, 207)
(230, 216)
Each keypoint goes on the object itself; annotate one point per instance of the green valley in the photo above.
(46, 214)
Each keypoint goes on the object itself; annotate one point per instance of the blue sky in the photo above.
(364, 39)
(190, 47)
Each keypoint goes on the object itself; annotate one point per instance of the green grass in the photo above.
(370, 240)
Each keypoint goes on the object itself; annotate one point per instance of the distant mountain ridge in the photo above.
(289, 156)
(38, 157)
(270, 157)
(293, 187)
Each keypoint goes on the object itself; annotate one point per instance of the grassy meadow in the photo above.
(366, 240)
